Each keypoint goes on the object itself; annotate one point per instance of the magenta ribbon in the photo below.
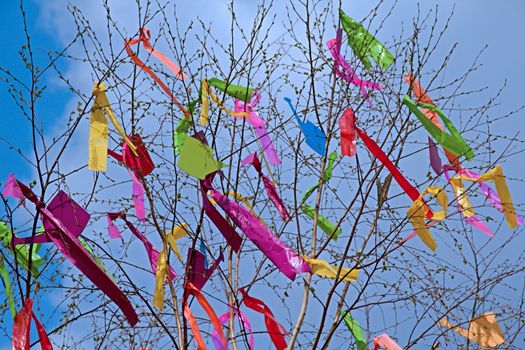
(227, 230)
(153, 254)
(225, 317)
(385, 342)
(198, 274)
(433, 153)
(259, 126)
(253, 160)
(343, 69)
(283, 257)
(63, 232)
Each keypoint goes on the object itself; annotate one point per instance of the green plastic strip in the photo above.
(453, 142)
(239, 92)
(365, 44)
(356, 331)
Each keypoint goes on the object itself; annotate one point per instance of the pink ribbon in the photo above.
(153, 254)
(137, 193)
(344, 70)
(225, 317)
(253, 160)
(385, 342)
(63, 232)
(259, 126)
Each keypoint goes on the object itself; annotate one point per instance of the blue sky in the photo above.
(476, 23)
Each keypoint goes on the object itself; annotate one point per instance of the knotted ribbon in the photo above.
(143, 38)
(98, 130)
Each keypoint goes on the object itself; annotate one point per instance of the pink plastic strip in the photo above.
(260, 127)
(346, 72)
(153, 254)
(253, 160)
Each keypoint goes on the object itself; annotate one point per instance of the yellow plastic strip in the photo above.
(496, 175)
(206, 91)
(98, 131)
(160, 278)
(323, 269)
(418, 210)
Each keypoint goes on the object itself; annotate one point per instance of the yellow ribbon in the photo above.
(162, 263)
(98, 130)
(417, 213)
(206, 91)
(496, 175)
(323, 269)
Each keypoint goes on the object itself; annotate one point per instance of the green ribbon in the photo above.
(356, 331)
(7, 283)
(365, 44)
(235, 91)
(22, 251)
(322, 222)
(453, 142)
(181, 130)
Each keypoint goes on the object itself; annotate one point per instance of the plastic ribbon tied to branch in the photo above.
(324, 269)
(64, 221)
(259, 126)
(423, 98)
(144, 37)
(343, 69)
(416, 213)
(206, 93)
(162, 262)
(224, 227)
(283, 257)
(355, 329)
(138, 166)
(188, 314)
(153, 254)
(247, 326)
(323, 223)
(22, 252)
(348, 133)
(483, 330)
(274, 328)
(453, 142)
(365, 44)
(314, 136)
(7, 283)
(271, 191)
(197, 273)
(22, 329)
(98, 130)
(139, 162)
(501, 199)
(379, 154)
(385, 342)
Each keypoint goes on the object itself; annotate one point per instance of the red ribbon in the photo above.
(273, 327)
(374, 148)
(22, 329)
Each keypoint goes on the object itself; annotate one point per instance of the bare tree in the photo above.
(403, 288)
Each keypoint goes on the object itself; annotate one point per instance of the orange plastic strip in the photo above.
(144, 39)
